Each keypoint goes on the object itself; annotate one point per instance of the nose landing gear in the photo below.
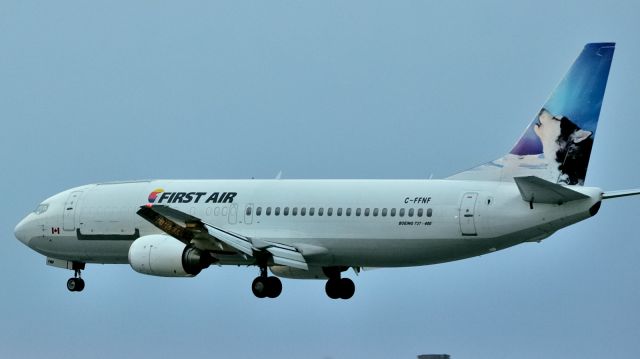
(76, 284)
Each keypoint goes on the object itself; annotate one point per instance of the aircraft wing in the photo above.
(186, 227)
(177, 224)
(536, 190)
(281, 253)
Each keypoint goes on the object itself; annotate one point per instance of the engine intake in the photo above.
(165, 256)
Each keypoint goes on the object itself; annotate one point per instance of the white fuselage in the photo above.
(353, 223)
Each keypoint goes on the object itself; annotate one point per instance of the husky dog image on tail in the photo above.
(564, 143)
(556, 145)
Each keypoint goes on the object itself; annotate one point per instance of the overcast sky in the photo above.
(96, 91)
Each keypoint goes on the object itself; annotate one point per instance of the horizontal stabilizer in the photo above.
(536, 190)
(621, 193)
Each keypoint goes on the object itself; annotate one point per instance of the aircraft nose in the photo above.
(21, 231)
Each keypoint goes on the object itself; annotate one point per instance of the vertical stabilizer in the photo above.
(556, 146)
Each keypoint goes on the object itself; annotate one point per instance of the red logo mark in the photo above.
(55, 230)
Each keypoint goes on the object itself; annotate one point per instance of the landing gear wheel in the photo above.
(333, 288)
(259, 287)
(80, 285)
(266, 287)
(340, 288)
(75, 284)
(274, 287)
(347, 288)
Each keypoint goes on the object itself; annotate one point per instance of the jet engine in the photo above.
(165, 256)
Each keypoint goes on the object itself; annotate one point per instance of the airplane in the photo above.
(318, 229)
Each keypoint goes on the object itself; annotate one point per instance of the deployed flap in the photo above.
(288, 257)
(234, 240)
(282, 254)
(536, 190)
(621, 193)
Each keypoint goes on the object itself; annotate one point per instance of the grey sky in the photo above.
(404, 89)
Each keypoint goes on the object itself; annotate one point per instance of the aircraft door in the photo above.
(467, 214)
(233, 213)
(69, 216)
(248, 213)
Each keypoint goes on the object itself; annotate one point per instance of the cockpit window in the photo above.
(41, 208)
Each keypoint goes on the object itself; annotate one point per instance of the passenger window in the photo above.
(320, 211)
(268, 211)
(393, 212)
(366, 212)
(420, 211)
(294, 211)
(401, 214)
(358, 212)
(348, 212)
(339, 212)
(329, 211)
(277, 211)
(411, 212)
(375, 212)
(303, 211)
(384, 212)
(248, 211)
(311, 210)
(429, 212)
(216, 211)
(258, 211)
(286, 211)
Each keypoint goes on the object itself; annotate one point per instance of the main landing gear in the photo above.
(265, 286)
(76, 284)
(336, 287)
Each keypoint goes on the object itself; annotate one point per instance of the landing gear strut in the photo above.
(265, 286)
(336, 287)
(76, 284)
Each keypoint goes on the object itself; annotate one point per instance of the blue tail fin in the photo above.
(556, 146)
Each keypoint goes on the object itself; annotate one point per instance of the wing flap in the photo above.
(282, 254)
(536, 190)
(233, 240)
(287, 257)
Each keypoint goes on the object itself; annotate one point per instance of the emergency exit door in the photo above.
(467, 214)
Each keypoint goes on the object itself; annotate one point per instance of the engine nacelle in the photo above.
(165, 256)
(295, 273)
